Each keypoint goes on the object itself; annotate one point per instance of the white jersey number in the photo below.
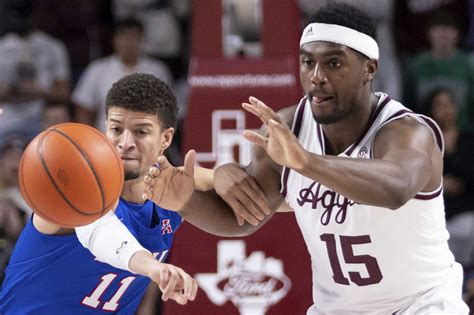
(373, 269)
(93, 300)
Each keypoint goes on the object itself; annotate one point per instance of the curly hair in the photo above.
(140, 92)
(345, 15)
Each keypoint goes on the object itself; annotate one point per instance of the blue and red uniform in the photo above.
(55, 274)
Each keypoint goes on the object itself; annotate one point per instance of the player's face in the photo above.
(444, 109)
(128, 43)
(333, 77)
(139, 138)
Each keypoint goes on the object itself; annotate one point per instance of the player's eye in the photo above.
(142, 132)
(115, 129)
(307, 62)
(334, 63)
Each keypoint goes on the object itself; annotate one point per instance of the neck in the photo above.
(130, 62)
(442, 53)
(347, 131)
(133, 189)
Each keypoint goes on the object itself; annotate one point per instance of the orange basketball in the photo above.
(70, 175)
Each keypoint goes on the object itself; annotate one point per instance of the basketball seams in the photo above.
(119, 163)
(87, 156)
(53, 181)
(28, 199)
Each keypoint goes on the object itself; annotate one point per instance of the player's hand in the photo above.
(242, 193)
(174, 283)
(281, 144)
(168, 186)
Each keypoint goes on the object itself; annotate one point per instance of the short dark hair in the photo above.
(127, 23)
(140, 92)
(442, 18)
(345, 15)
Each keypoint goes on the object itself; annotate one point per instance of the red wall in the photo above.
(254, 273)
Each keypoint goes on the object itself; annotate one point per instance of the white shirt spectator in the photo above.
(99, 76)
(46, 61)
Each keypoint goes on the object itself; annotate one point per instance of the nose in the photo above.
(318, 77)
(126, 141)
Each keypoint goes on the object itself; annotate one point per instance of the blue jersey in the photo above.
(50, 274)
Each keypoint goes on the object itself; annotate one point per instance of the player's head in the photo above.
(141, 119)
(338, 60)
(443, 32)
(128, 39)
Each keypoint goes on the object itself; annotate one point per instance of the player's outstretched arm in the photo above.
(174, 282)
(215, 214)
(406, 161)
(111, 242)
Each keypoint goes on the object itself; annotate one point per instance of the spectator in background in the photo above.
(56, 113)
(91, 90)
(411, 18)
(34, 68)
(85, 28)
(10, 157)
(388, 77)
(458, 175)
(164, 22)
(442, 66)
(13, 210)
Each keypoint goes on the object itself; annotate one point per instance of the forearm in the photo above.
(141, 262)
(207, 211)
(366, 181)
(109, 240)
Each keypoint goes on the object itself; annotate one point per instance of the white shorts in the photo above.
(443, 299)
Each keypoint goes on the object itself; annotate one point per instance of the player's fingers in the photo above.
(189, 161)
(164, 278)
(250, 206)
(241, 210)
(254, 110)
(257, 195)
(187, 283)
(172, 281)
(240, 219)
(245, 194)
(256, 138)
(149, 180)
(264, 109)
(163, 162)
(154, 170)
(179, 297)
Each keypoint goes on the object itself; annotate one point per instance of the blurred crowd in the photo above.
(59, 58)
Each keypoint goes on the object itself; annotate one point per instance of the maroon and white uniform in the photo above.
(368, 259)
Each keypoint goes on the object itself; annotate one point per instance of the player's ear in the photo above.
(371, 67)
(167, 138)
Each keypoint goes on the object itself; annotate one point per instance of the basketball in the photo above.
(70, 174)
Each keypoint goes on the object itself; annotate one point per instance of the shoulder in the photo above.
(99, 66)
(48, 41)
(409, 131)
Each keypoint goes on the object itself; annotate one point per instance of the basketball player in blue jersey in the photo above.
(362, 173)
(50, 272)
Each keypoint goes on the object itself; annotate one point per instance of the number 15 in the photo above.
(373, 269)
